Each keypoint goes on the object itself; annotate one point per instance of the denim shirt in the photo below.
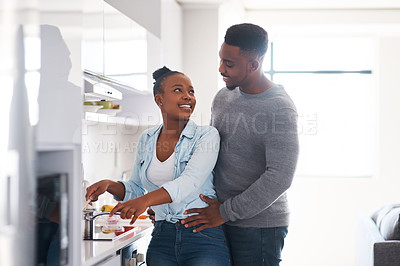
(196, 153)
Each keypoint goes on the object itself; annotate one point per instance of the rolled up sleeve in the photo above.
(198, 168)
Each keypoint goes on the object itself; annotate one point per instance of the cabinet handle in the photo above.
(132, 262)
(136, 258)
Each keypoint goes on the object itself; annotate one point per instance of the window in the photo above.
(331, 83)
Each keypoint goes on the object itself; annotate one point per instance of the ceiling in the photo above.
(301, 4)
(73, 5)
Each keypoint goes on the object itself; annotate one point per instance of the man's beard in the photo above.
(231, 88)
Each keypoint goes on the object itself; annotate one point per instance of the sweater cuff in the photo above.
(223, 213)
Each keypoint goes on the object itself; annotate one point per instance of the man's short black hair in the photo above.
(248, 37)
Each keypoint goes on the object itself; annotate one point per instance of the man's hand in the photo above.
(208, 216)
(152, 215)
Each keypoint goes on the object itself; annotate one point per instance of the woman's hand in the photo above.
(117, 189)
(135, 207)
(94, 191)
(131, 209)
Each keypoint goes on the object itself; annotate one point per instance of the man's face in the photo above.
(234, 66)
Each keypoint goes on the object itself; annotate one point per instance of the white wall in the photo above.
(200, 56)
(171, 34)
(108, 152)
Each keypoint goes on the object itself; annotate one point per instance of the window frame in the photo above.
(272, 71)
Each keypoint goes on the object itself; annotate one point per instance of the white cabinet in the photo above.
(125, 49)
(115, 45)
(125, 41)
(118, 52)
(93, 36)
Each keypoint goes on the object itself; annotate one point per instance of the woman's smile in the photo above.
(186, 106)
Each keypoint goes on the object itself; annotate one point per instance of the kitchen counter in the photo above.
(94, 252)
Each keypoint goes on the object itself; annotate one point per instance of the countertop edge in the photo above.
(109, 252)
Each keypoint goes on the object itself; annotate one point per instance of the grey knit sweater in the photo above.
(258, 155)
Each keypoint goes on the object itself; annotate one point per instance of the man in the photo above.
(257, 122)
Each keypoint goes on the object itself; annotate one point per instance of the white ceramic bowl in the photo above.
(111, 112)
(92, 108)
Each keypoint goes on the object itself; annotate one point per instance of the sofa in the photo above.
(378, 237)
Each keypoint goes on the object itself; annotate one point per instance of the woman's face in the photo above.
(177, 100)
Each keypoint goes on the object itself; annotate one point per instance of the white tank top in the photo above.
(160, 173)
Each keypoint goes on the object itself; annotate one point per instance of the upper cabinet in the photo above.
(93, 36)
(120, 49)
(116, 40)
(146, 13)
(125, 49)
(124, 41)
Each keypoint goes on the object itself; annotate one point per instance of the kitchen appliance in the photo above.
(97, 89)
(131, 257)
(52, 219)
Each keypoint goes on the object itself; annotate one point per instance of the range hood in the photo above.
(97, 89)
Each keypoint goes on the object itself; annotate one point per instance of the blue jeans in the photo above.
(173, 244)
(255, 246)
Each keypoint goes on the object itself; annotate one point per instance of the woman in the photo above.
(174, 165)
